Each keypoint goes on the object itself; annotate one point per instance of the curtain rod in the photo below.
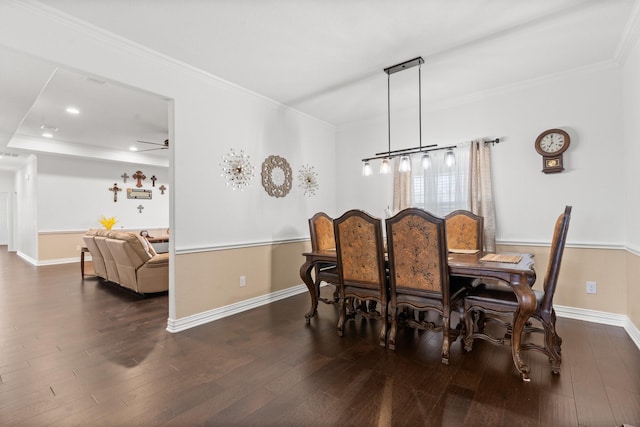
(423, 149)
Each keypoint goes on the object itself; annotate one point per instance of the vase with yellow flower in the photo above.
(107, 223)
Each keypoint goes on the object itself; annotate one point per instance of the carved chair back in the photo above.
(321, 232)
(417, 247)
(555, 259)
(322, 238)
(361, 268)
(360, 249)
(464, 230)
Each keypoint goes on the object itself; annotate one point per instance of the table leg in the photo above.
(526, 307)
(305, 275)
(82, 263)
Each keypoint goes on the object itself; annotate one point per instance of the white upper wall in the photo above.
(83, 185)
(7, 181)
(26, 242)
(631, 151)
(587, 103)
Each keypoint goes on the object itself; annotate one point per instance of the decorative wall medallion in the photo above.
(308, 180)
(237, 169)
(276, 176)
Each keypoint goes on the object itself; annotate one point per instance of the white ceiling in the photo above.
(326, 58)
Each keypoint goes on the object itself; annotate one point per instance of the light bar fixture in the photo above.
(405, 153)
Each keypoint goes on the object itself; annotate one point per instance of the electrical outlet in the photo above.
(243, 281)
(591, 287)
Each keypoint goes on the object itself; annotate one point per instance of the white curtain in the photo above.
(441, 189)
(402, 188)
(481, 194)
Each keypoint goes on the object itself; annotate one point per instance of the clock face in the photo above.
(552, 143)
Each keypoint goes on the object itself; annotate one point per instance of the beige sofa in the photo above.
(128, 260)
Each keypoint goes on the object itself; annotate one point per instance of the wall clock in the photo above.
(276, 176)
(550, 144)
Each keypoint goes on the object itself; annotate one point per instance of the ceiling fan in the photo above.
(162, 145)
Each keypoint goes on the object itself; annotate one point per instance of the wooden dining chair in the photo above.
(419, 273)
(494, 303)
(464, 230)
(361, 268)
(322, 238)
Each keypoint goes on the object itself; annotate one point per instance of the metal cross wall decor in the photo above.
(140, 207)
(115, 190)
(139, 176)
(162, 188)
(153, 179)
(124, 177)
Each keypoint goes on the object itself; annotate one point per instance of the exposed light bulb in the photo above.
(426, 161)
(384, 166)
(449, 158)
(405, 164)
(366, 169)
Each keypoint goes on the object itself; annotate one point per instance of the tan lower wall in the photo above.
(633, 289)
(606, 267)
(56, 246)
(209, 280)
(65, 245)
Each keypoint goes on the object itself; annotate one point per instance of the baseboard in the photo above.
(39, 263)
(601, 317)
(594, 316)
(633, 331)
(60, 261)
(27, 258)
(188, 322)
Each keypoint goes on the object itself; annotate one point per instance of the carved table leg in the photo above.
(526, 307)
(305, 275)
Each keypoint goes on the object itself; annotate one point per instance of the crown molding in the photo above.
(630, 36)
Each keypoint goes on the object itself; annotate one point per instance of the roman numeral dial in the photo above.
(550, 144)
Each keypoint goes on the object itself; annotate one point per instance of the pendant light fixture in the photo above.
(404, 154)
(426, 161)
(449, 158)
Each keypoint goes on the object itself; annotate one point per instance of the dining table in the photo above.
(517, 272)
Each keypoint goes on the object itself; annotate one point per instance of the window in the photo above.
(441, 189)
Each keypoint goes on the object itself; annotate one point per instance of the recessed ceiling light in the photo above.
(47, 135)
(48, 128)
(72, 110)
(132, 148)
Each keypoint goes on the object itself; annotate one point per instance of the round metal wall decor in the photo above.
(237, 169)
(308, 180)
(276, 176)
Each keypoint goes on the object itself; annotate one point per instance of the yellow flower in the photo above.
(107, 222)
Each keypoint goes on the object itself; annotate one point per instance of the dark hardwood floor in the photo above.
(85, 353)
